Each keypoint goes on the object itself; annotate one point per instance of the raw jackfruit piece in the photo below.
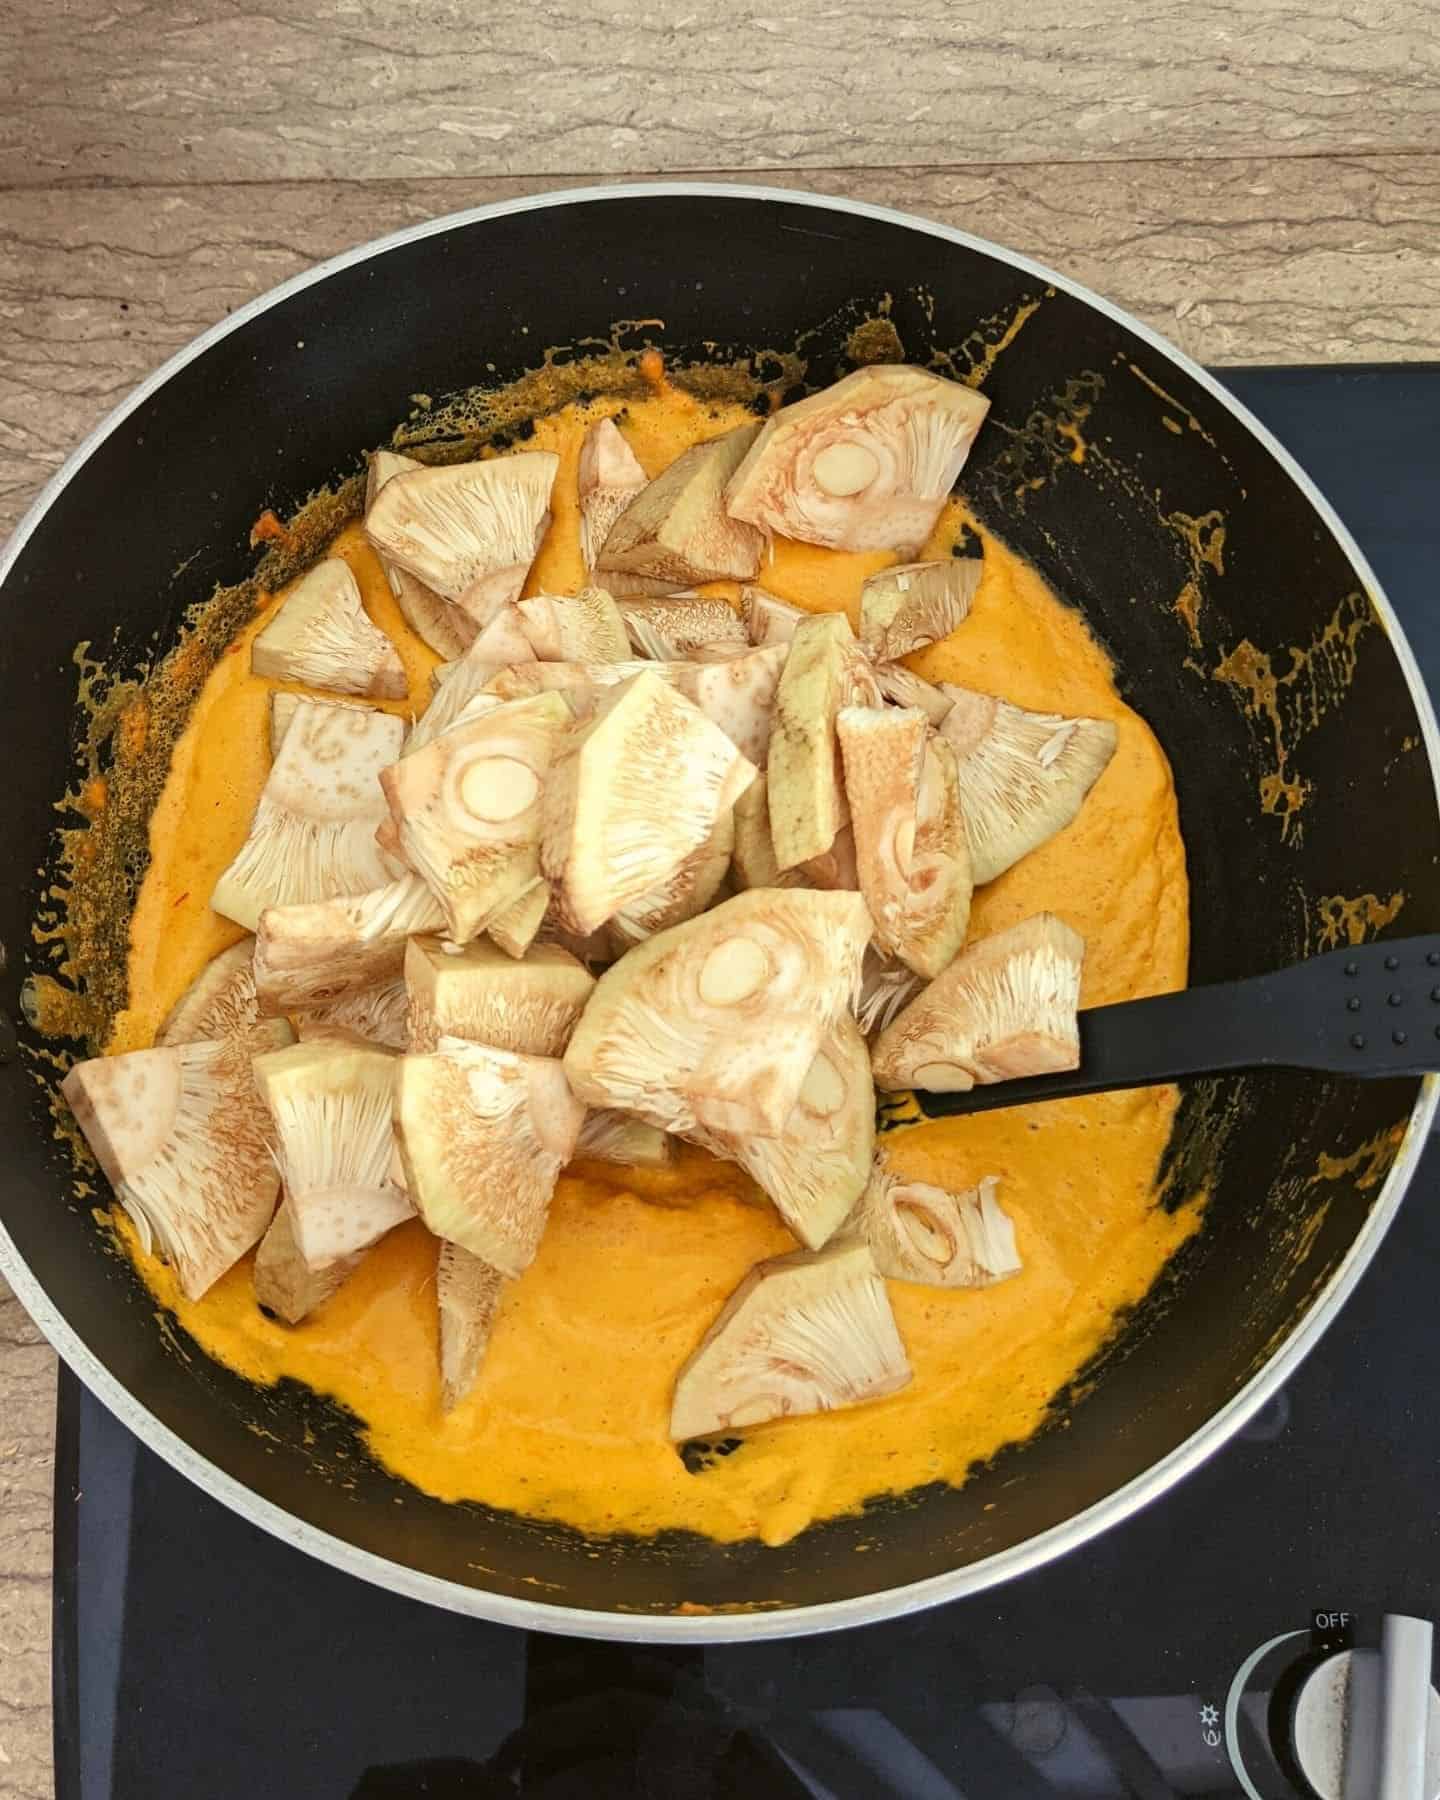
(614, 1137)
(801, 1334)
(917, 1232)
(585, 627)
(220, 1004)
(313, 834)
(373, 1015)
(672, 630)
(468, 530)
(677, 529)
(905, 688)
(633, 793)
(330, 1106)
(885, 987)
(824, 672)
(468, 808)
(530, 1007)
(911, 851)
(323, 637)
(915, 605)
(716, 1022)
(865, 465)
(285, 1285)
(769, 619)
(1023, 776)
(515, 927)
(484, 1134)
(816, 1169)
(434, 619)
(468, 1293)
(1005, 1008)
(309, 957)
(610, 476)
(181, 1135)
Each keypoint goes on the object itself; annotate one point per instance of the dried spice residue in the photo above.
(1347, 922)
(1202, 538)
(1170, 400)
(1369, 1163)
(975, 356)
(1288, 706)
(1053, 434)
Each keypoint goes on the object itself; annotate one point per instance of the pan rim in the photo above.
(887, 1603)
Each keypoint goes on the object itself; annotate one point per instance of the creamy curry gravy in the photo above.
(568, 1419)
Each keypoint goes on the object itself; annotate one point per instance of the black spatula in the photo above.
(1371, 1011)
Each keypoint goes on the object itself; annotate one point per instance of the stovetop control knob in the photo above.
(1366, 1723)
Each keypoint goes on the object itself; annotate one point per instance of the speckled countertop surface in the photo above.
(1261, 182)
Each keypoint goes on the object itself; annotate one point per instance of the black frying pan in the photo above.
(1268, 665)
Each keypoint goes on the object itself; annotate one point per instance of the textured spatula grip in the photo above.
(1370, 1011)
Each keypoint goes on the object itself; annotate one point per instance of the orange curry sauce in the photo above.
(568, 1419)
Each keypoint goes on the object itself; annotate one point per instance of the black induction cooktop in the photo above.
(196, 1657)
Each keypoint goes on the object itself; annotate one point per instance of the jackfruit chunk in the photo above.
(323, 637)
(308, 957)
(614, 1137)
(504, 640)
(816, 1169)
(313, 834)
(673, 630)
(609, 477)
(468, 808)
(284, 1284)
(905, 688)
(515, 927)
(824, 671)
(483, 1136)
(885, 986)
(372, 1015)
(468, 1293)
(383, 465)
(883, 753)
(585, 627)
(433, 618)
(911, 850)
(463, 691)
(687, 892)
(1023, 776)
(716, 1022)
(284, 705)
(330, 1103)
(753, 857)
(181, 1135)
(917, 1232)
(865, 465)
(1005, 1008)
(530, 1007)
(738, 694)
(768, 619)
(676, 528)
(633, 793)
(219, 1004)
(915, 605)
(803, 1333)
(467, 530)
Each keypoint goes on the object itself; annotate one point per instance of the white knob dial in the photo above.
(1366, 1724)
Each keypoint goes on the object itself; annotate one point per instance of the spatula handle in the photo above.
(1370, 1011)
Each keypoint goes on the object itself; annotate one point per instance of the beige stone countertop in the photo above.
(1259, 181)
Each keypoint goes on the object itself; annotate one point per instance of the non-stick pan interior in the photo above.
(1240, 630)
